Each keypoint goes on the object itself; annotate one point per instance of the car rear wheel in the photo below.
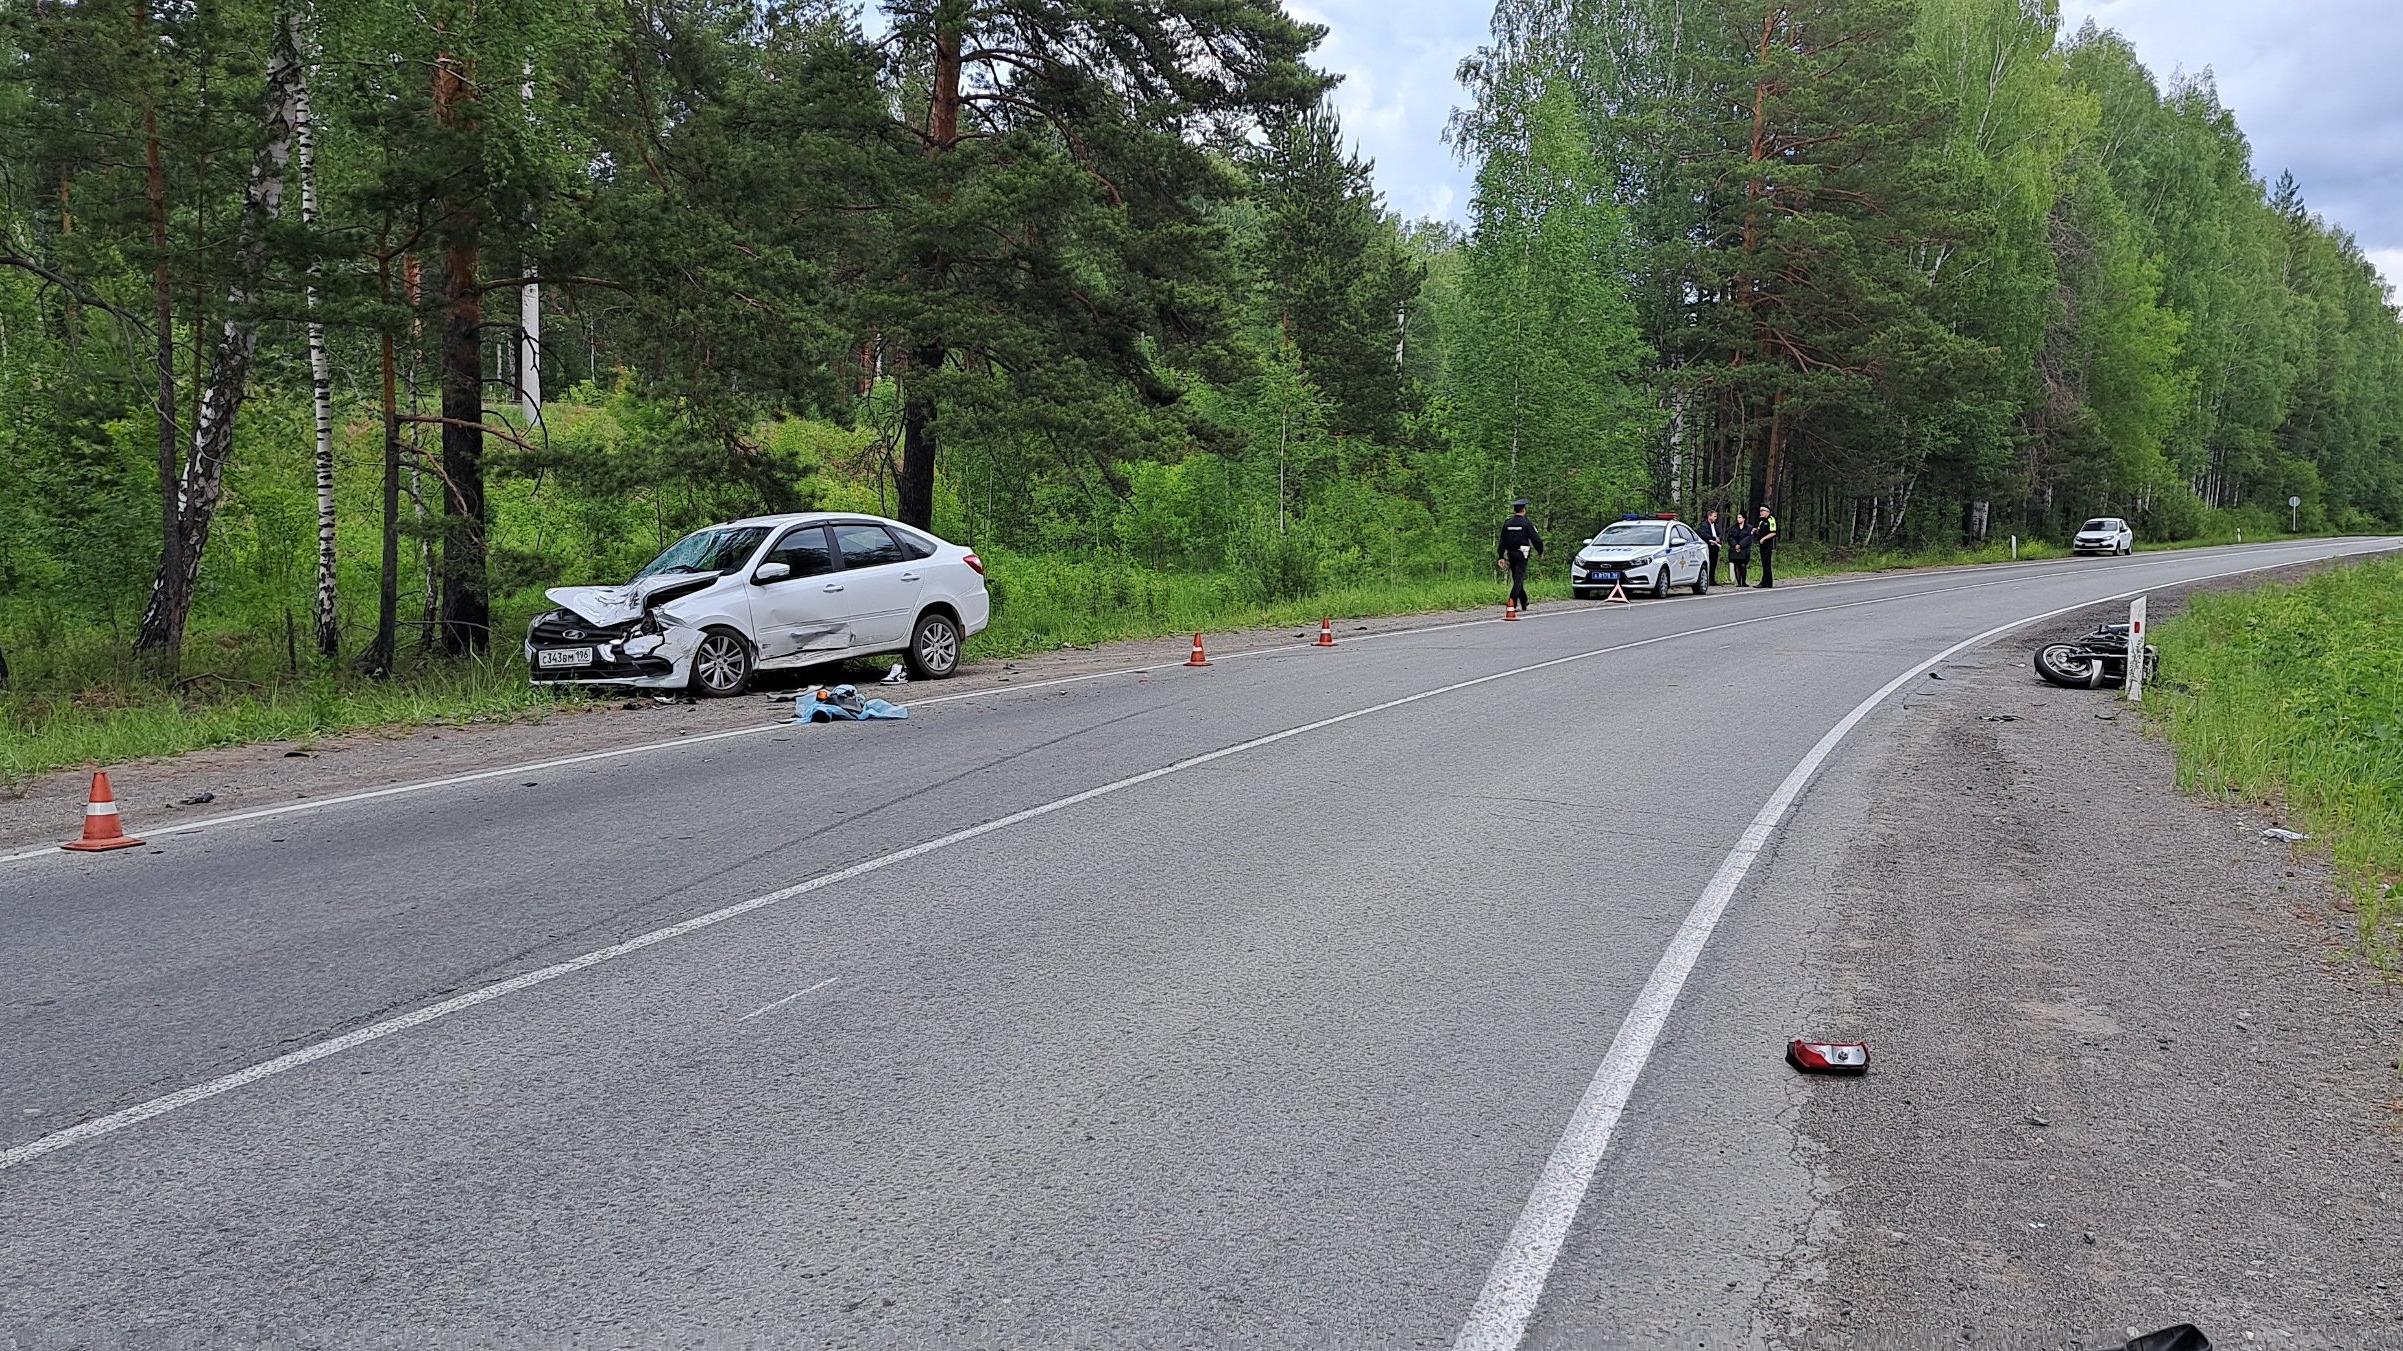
(1702, 580)
(721, 664)
(934, 646)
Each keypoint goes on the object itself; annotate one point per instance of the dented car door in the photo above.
(807, 609)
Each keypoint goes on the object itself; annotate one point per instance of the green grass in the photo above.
(116, 722)
(2292, 697)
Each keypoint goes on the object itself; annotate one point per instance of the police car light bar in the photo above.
(1654, 516)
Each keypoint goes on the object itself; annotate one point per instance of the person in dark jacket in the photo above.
(1739, 547)
(1714, 535)
(1520, 543)
(1764, 543)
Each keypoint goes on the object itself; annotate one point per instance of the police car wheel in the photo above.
(1660, 585)
(1702, 581)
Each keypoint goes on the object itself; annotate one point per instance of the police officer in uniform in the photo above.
(1519, 544)
(1764, 542)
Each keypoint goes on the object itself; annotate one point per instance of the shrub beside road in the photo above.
(2292, 696)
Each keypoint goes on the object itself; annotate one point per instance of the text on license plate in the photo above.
(563, 656)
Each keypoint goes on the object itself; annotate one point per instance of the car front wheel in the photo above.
(1660, 585)
(934, 646)
(721, 664)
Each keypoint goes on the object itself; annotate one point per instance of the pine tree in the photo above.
(1048, 250)
(1333, 274)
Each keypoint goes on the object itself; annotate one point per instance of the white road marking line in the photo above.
(141, 1112)
(1515, 1286)
(771, 1008)
(703, 738)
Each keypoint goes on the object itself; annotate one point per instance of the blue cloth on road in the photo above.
(815, 709)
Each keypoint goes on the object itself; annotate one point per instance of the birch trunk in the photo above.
(321, 384)
(203, 481)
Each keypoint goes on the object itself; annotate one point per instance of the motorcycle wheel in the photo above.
(2069, 666)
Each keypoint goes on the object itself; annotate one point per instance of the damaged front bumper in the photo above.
(652, 652)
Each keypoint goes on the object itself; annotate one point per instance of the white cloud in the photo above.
(2389, 263)
(1398, 59)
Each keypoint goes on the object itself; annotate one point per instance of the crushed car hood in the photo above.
(617, 604)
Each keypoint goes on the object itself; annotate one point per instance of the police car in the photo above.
(1641, 553)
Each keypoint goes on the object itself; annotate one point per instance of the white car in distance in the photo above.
(2104, 535)
(1641, 553)
(764, 593)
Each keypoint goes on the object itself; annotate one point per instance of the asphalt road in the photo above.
(1247, 1005)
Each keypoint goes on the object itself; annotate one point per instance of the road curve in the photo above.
(1253, 1004)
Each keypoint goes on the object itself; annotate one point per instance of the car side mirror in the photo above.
(771, 572)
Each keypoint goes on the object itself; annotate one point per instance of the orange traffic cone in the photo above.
(1198, 658)
(1510, 609)
(1326, 633)
(100, 828)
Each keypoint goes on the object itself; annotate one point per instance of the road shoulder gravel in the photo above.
(2127, 1074)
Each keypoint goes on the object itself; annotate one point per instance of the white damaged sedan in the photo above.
(764, 593)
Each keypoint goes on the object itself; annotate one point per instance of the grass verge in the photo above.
(2292, 697)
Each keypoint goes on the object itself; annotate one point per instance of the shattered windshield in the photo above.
(716, 549)
(1632, 535)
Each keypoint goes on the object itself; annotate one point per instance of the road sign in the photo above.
(2294, 501)
(2136, 651)
(2294, 513)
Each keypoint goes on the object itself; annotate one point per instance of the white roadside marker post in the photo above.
(2136, 650)
(2014, 548)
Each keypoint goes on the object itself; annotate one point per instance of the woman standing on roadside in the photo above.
(1739, 546)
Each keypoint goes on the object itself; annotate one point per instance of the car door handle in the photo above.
(834, 586)
(909, 576)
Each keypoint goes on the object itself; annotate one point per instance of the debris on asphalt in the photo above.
(2284, 836)
(297, 755)
(196, 800)
(2000, 717)
(1935, 675)
(899, 675)
(1827, 1057)
(844, 704)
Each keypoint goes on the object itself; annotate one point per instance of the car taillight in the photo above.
(972, 561)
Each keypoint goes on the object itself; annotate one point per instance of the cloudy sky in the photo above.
(2312, 81)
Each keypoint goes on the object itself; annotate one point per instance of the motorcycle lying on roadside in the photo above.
(2096, 661)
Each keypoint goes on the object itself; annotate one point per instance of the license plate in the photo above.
(553, 657)
(1601, 576)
